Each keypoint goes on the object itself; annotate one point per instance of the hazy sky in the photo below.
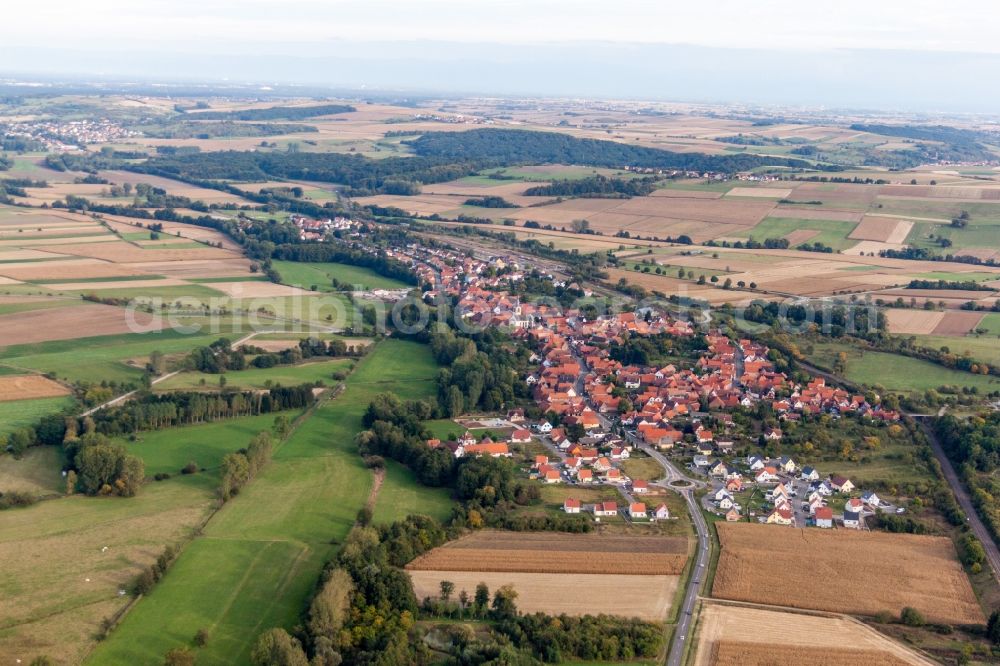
(882, 54)
(957, 25)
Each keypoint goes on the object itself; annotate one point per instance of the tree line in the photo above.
(155, 412)
(596, 186)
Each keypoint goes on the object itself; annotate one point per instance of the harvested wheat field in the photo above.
(529, 552)
(797, 213)
(867, 572)
(75, 321)
(756, 654)
(26, 387)
(685, 194)
(70, 269)
(768, 635)
(958, 323)
(800, 236)
(759, 192)
(123, 252)
(200, 268)
(252, 289)
(912, 321)
(626, 595)
(882, 229)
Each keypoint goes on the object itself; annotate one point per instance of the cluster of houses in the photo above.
(313, 229)
(589, 393)
(634, 511)
(68, 135)
(778, 475)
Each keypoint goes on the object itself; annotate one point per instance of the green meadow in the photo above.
(167, 451)
(285, 375)
(105, 358)
(16, 414)
(320, 275)
(260, 556)
(831, 232)
(899, 373)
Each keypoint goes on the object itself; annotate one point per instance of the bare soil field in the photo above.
(728, 653)
(872, 571)
(69, 229)
(913, 321)
(123, 252)
(720, 211)
(116, 284)
(809, 214)
(26, 387)
(27, 255)
(528, 552)
(415, 205)
(198, 268)
(252, 289)
(668, 193)
(958, 323)
(673, 286)
(800, 236)
(872, 247)
(645, 597)
(70, 269)
(73, 321)
(65, 244)
(759, 192)
(882, 229)
(840, 195)
(771, 634)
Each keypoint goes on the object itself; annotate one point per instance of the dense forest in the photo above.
(274, 113)
(441, 156)
(532, 147)
(208, 130)
(596, 186)
(949, 143)
(974, 446)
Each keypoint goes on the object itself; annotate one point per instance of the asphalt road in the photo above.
(964, 500)
(957, 487)
(696, 581)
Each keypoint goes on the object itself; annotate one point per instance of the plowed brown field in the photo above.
(844, 571)
(24, 387)
(557, 553)
(767, 636)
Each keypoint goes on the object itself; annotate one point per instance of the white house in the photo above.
(871, 499)
(852, 520)
(661, 512)
(571, 506)
(544, 427)
(809, 474)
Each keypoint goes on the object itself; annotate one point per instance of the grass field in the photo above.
(401, 494)
(991, 324)
(899, 373)
(262, 553)
(307, 275)
(65, 561)
(167, 451)
(104, 358)
(285, 375)
(37, 472)
(832, 233)
(20, 413)
(983, 348)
